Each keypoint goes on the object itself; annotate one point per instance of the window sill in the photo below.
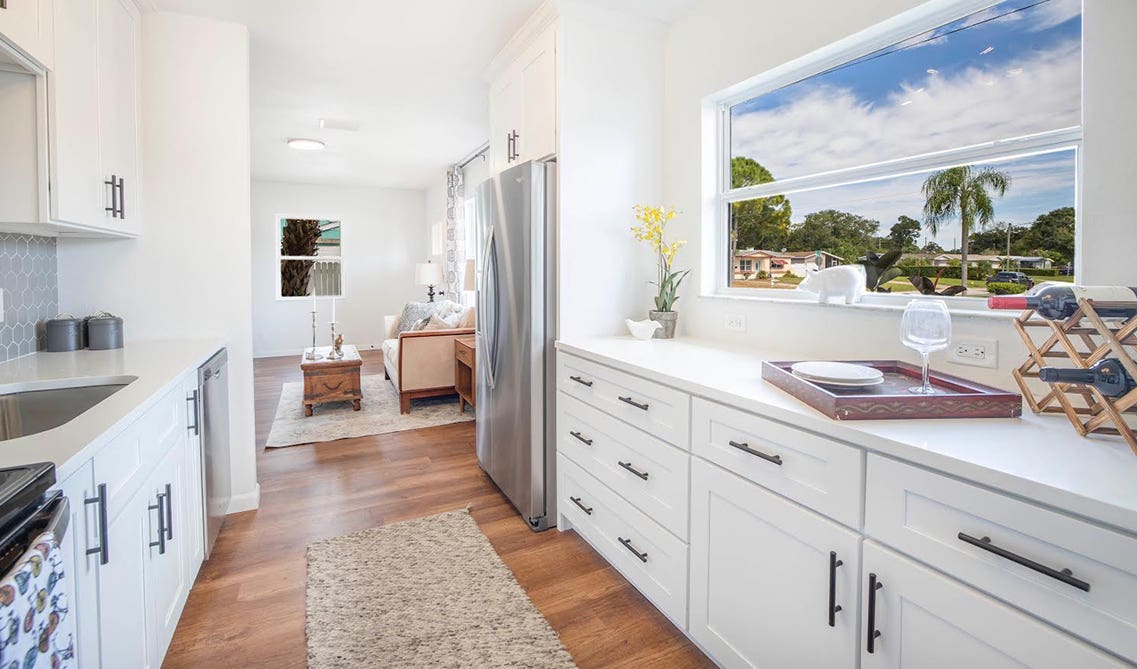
(875, 303)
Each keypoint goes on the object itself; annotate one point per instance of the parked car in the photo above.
(1011, 277)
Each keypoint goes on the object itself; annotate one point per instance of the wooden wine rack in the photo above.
(1082, 339)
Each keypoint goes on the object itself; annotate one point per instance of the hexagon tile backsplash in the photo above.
(29, 278)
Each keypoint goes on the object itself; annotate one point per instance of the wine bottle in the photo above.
(1108, 376)
(1057, 302)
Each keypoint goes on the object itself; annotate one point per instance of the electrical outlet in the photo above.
(736, 322)
(974, 352)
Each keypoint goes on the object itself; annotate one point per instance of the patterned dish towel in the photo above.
(35, 632)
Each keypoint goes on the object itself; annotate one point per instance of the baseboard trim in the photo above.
(245, 502)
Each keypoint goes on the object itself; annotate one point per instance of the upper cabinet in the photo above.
(93, 101)
(27, 26)
(523, 101)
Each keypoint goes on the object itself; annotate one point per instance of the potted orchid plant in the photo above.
(653, 230)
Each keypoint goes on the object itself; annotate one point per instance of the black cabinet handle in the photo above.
(581, 381)
(122, 198)
(509, 147)
(102, 550)
(169, 514)
(744, 446)
(627, 543)
(113, 209)
(581, 437)
(160, 507)
(628, 466)
(834, 607)
(196, 426)
(1064, 575)
(586, 509)
(874, 633)
(627, 400)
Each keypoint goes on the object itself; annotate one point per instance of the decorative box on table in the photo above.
(958, 397)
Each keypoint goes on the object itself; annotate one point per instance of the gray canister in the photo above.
(104, 331)
(64, 333)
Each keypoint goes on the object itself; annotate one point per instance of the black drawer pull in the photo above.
(874, 633)
(581, 437)
(834, 607)
(169, 513)
(628, 400)
(628, 544)
(160, 507)
(1064, 575)
(628, 466)
(102, 550)
(582, 381)
(743, 446)
(586, 509)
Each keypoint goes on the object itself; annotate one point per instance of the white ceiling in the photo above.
(408, 72)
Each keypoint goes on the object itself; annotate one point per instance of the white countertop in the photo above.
(1039, 458)
(157, 365)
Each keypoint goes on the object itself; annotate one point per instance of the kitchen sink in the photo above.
(31, 408)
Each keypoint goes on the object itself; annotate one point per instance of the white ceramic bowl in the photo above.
(642, 329)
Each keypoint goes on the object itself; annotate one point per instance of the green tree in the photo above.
(931, 247)
(904, 233)
(1050, 232)
(761, 223)
(963, 192)
(839, 232)
(994, 240)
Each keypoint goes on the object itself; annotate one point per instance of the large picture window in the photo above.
(311, 257)
(955, 148)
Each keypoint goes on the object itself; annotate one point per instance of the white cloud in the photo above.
(1053, 13)
(828, 128)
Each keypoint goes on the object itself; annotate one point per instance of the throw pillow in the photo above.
(467, 318)
(413, 312)
(439, 323)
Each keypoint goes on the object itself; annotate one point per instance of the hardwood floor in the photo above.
(247, 607)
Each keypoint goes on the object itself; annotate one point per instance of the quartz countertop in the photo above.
(1038, 458)
(157, 366)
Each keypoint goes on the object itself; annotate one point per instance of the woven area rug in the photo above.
(429, 592)
(378, 415)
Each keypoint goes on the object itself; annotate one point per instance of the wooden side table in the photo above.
(465, 371)
(332, 380)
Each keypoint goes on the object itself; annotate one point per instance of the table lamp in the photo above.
(430, 275)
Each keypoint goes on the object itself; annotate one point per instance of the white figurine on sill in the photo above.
(846, 281)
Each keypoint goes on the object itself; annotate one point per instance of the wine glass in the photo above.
(926, 327)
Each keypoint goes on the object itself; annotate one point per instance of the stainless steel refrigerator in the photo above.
(516, 326)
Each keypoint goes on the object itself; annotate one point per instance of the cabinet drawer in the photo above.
(649, 473)
(1012, 549)
(821, 474)
(125, 462)
(646, 554)
(661, 411)
(464, 354)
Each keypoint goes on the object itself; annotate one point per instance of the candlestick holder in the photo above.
(311, 353)
(334, 353)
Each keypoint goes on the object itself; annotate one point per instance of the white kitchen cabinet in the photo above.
(523, 105)
(166, 580)
(27, 25)
(83, 575)
(917, 619)
(119, 61)
(773, 585)
(193, 534)
(123, 632)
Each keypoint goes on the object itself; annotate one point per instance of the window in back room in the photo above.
(310, 252)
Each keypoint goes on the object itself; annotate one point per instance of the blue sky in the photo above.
(996, 74)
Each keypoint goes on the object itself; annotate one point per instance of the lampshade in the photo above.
(468, 282)
(428, 274)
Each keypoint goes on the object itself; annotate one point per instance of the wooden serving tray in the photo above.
(959, 398)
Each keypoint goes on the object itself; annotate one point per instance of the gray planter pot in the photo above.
(667, 320)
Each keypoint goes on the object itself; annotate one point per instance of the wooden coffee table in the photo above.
(328, 380)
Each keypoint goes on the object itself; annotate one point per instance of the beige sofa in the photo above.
(420, 363)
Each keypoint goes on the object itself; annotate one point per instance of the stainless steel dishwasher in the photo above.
(213, 387)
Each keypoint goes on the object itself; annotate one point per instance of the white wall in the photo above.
(189, 274)
(610, 156)
(713, 47)
(382, 240)
(435, 213)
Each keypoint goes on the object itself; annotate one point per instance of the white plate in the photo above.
(843, 384)
(837, 372)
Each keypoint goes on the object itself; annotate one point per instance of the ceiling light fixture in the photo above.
(986, 51)
(302, 144)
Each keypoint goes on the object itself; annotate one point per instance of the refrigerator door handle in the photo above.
(483, 318)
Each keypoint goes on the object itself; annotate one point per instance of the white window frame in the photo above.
(717, 266)
(336, 259)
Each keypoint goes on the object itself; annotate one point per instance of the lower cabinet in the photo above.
(917, 619)
(130, 582)
(772, 584)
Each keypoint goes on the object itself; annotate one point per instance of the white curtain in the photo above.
(454, 264)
